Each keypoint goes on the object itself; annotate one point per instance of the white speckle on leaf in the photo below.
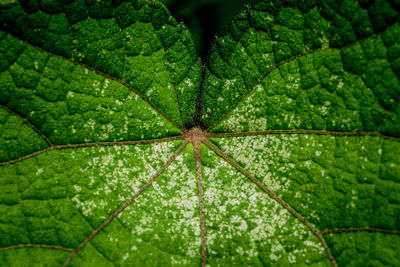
(70, 94)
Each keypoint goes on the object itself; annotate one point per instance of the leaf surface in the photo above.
(118, 147)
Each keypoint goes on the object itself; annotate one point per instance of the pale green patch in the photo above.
(111, 174)
(168, 211)
(246, 227)
(267, 157)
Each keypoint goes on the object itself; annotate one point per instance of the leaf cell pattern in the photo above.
(118, 147)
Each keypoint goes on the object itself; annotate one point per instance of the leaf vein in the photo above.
(70, 146)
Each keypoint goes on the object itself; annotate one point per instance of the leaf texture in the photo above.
(119, 148)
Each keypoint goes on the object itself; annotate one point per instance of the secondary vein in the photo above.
(37, 130)
(70, 146)
(36, 246)
(125, 205)
(274, 197)
(267, 72)
(301, 131)
(361, 229)
(109, 77)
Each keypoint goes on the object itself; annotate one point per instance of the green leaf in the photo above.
(118, 148)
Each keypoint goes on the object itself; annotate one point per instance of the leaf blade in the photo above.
(253, 44)
(103, 40)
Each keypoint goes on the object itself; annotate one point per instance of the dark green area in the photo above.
(365, 249)
(35, 257)
(205, 18)
(16, 138)
(274, 32)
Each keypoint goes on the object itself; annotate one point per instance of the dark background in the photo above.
(205, 18)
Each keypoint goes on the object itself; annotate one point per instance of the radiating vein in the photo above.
(37, 130)
(265, 74)
(126, 204)
(259, 80)
(300, 131)
(387, 117)
(109, 77)
(201, 202)
(70, 146)
(36, 246)
(361, 229)
(273, 196)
